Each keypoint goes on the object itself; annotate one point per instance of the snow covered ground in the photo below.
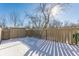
(36, 47)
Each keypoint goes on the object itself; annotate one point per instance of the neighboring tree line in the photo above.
(13, 19)
(39, 19)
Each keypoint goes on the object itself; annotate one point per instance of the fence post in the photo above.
(46, 34)
(0, 35)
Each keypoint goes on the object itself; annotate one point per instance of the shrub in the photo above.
(76, 37)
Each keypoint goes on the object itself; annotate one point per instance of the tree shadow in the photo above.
(42, 47)
(38, 47)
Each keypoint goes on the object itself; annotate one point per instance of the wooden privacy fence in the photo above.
(5, 33)
(33, 33)
(13, 33)
(17, 33)
(64, 35)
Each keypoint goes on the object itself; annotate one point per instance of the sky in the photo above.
(7, 8)
(70, 13)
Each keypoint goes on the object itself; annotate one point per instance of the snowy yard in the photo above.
(36, 47)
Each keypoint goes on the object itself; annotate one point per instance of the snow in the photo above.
(13, 49)
(30, 46)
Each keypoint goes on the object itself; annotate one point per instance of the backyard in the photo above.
(39, 29)
(30, 46)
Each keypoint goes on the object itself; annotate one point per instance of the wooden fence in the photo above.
(64, 35)
(13, 33)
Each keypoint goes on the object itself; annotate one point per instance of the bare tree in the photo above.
(35, 21)
(77, 23)
(45, 10)
(20, 22)
(3, 21)
(56, 24)
(14, 17)
(40, 19)
(72, 24)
